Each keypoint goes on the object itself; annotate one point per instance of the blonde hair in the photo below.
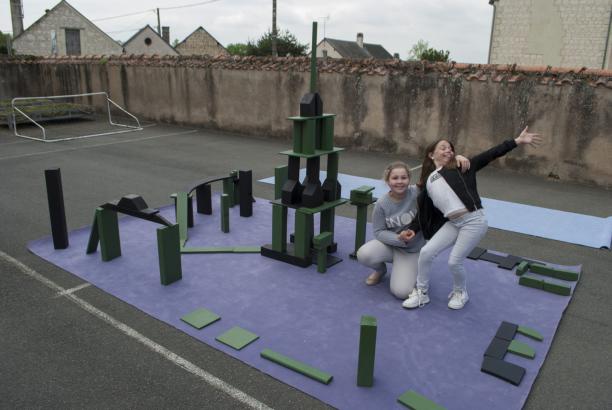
(392, 166)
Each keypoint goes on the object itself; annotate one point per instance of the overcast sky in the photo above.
(460, 26)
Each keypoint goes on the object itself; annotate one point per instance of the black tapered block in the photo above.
(204, 199)
(504, 370)
(331, 191)
(311, 105)
(57, 213)
(506, 331)
(292, 189)
(312, 195)
(497, 348)
(132, 202)
(245, 187)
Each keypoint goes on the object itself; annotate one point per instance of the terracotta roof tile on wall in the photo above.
(470, 72)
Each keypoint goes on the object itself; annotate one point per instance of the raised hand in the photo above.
(530, 138)
(462, 163)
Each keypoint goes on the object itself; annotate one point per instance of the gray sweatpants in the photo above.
(375, 254)
(463, 234)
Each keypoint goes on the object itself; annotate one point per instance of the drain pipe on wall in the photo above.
(492, 3)
(603, 64)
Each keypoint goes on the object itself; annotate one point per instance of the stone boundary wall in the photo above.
(386, 106)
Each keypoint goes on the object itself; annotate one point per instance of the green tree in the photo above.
(5, 42)
(418, 49)
(431, 54)
(237, 49)
(286, 44)
(422, 51)
(175, 42)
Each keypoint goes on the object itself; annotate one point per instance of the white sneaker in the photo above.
(417, 298)
(458, 299)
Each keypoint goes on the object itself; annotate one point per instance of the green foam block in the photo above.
(529, 332)
(554, 273)
(237, 338)
(200, 318)
(522, 268)
(415, 401)
(299, 367)
(521, 349)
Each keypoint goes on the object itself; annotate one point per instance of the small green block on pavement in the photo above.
(200, 318)
(529, 332)
(237, 338)
(415, 401)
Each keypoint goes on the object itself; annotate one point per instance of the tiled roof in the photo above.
(347, 49)
(470, 72)
(377, 51)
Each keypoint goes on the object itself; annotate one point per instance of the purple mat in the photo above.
(314, 318)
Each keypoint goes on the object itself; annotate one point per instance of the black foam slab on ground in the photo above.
(497, 348)
(476, 253)
(506, 331)
(503, 370)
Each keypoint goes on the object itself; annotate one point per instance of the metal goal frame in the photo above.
(128, 128)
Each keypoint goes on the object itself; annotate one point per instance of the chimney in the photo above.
(166, 33)
(360, 39)
(17, 17)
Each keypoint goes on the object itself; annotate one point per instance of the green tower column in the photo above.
(225, 205)
(108, 231)
(367, 351)
(303, 234)
(279, 228)
(169, 252)
(280, 176)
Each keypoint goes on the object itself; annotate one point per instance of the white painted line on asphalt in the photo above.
(72, 290)
(32, 154)
(214, 381)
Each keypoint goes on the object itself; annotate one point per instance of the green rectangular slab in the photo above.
(557, 287)
(521, 349)
(531, 281)
(237, 338)
(297, 366)
(554, 273)
(247, 249)
(200, 318)
(529, 332)
(415, 401)
(209, 249)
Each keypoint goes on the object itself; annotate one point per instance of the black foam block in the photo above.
(506, 331)
(57, 213)
(245, 187)
(476, 252)
(132, 202)
(497, 348)
(311, 105)
(504, 370)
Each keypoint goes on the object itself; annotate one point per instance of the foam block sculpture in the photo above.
(493, 362)
(105, 231)
(313, 134)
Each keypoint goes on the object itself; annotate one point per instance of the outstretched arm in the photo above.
(527, 137)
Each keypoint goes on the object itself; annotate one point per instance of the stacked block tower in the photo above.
(313, 138)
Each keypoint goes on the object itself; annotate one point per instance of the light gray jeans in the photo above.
(463, 234)
(375, 254)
